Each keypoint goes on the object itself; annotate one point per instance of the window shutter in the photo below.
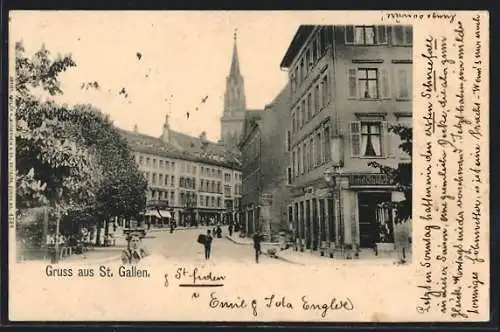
(402, 79)
(349, 34)
(352, 83)
(387, 150)
(381, 34)
(355, 133)
(384, 83)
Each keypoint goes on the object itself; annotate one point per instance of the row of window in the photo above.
(156, 163)
(378, 35)
(227, 190)
(191, 200)
(311, 55)
(364, 83)
(374, 83)
(188, 183)
(162, 195)
(371, 138)
(186, 167)
(314, 100)
(160, 179)
(211, 172)
(210, 186)
(312, 152)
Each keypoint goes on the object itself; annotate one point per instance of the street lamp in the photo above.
(329, 176)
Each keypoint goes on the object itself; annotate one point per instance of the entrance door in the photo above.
(367, 207)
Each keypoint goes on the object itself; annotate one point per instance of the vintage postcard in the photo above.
(249, 166)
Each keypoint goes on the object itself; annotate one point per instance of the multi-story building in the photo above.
(234, 104)
(348, 84)
(264, 167)
(187, 177)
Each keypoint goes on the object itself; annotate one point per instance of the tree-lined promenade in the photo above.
(70, 161)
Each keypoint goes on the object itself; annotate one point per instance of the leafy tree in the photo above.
(400, 176)
(48, 158)
(72, 159)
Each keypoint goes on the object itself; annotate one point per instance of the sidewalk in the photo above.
(99, 255)
(178, 228)
(313, 258)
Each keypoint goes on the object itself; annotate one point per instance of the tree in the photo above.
(122, 192)
(401, 176)
(48, 158)
(72, 159)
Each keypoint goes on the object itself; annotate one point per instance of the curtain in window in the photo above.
(369, 35)
(358, 35)
(370, 140)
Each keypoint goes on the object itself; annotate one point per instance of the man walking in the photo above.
(230, 229)
(257, 238)
(208, 244)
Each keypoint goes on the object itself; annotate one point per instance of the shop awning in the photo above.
(158, 213)
(165, 214)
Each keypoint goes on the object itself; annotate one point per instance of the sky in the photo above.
(185, 56)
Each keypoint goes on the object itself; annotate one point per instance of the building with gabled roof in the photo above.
(193, 179)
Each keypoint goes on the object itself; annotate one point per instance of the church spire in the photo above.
(235, 63)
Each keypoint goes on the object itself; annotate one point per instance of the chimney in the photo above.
(165, 136)
(136, 129)
(203, 139)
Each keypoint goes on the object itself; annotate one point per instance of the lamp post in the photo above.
(330, 176)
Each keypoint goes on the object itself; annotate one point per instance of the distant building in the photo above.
(348, 83)
(265, 158)
(234, 104)
(189, 178)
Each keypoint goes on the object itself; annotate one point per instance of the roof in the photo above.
(182, 146)
(300, 36)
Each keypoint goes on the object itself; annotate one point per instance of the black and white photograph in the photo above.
(179, 150)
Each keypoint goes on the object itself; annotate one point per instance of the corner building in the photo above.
(348, 85)
(190, 179)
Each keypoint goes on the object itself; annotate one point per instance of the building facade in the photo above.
(264, 170)
(190, 179)
(348, 85)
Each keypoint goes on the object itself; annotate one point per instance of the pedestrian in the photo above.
(230, 228)
(134, 252)
(219, 232)
(208, 244)
(171, 226)
(257, 238)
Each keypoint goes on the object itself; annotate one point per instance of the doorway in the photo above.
(368, 225)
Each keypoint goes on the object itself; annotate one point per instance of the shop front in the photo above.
(157, 217)
(369, 213)
(346, 214)
(210, 216)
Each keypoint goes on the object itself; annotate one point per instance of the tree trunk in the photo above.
(106, 227)
(98, 234)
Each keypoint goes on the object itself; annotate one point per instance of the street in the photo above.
(182, 246)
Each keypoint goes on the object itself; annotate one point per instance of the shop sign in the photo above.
(369, 180)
